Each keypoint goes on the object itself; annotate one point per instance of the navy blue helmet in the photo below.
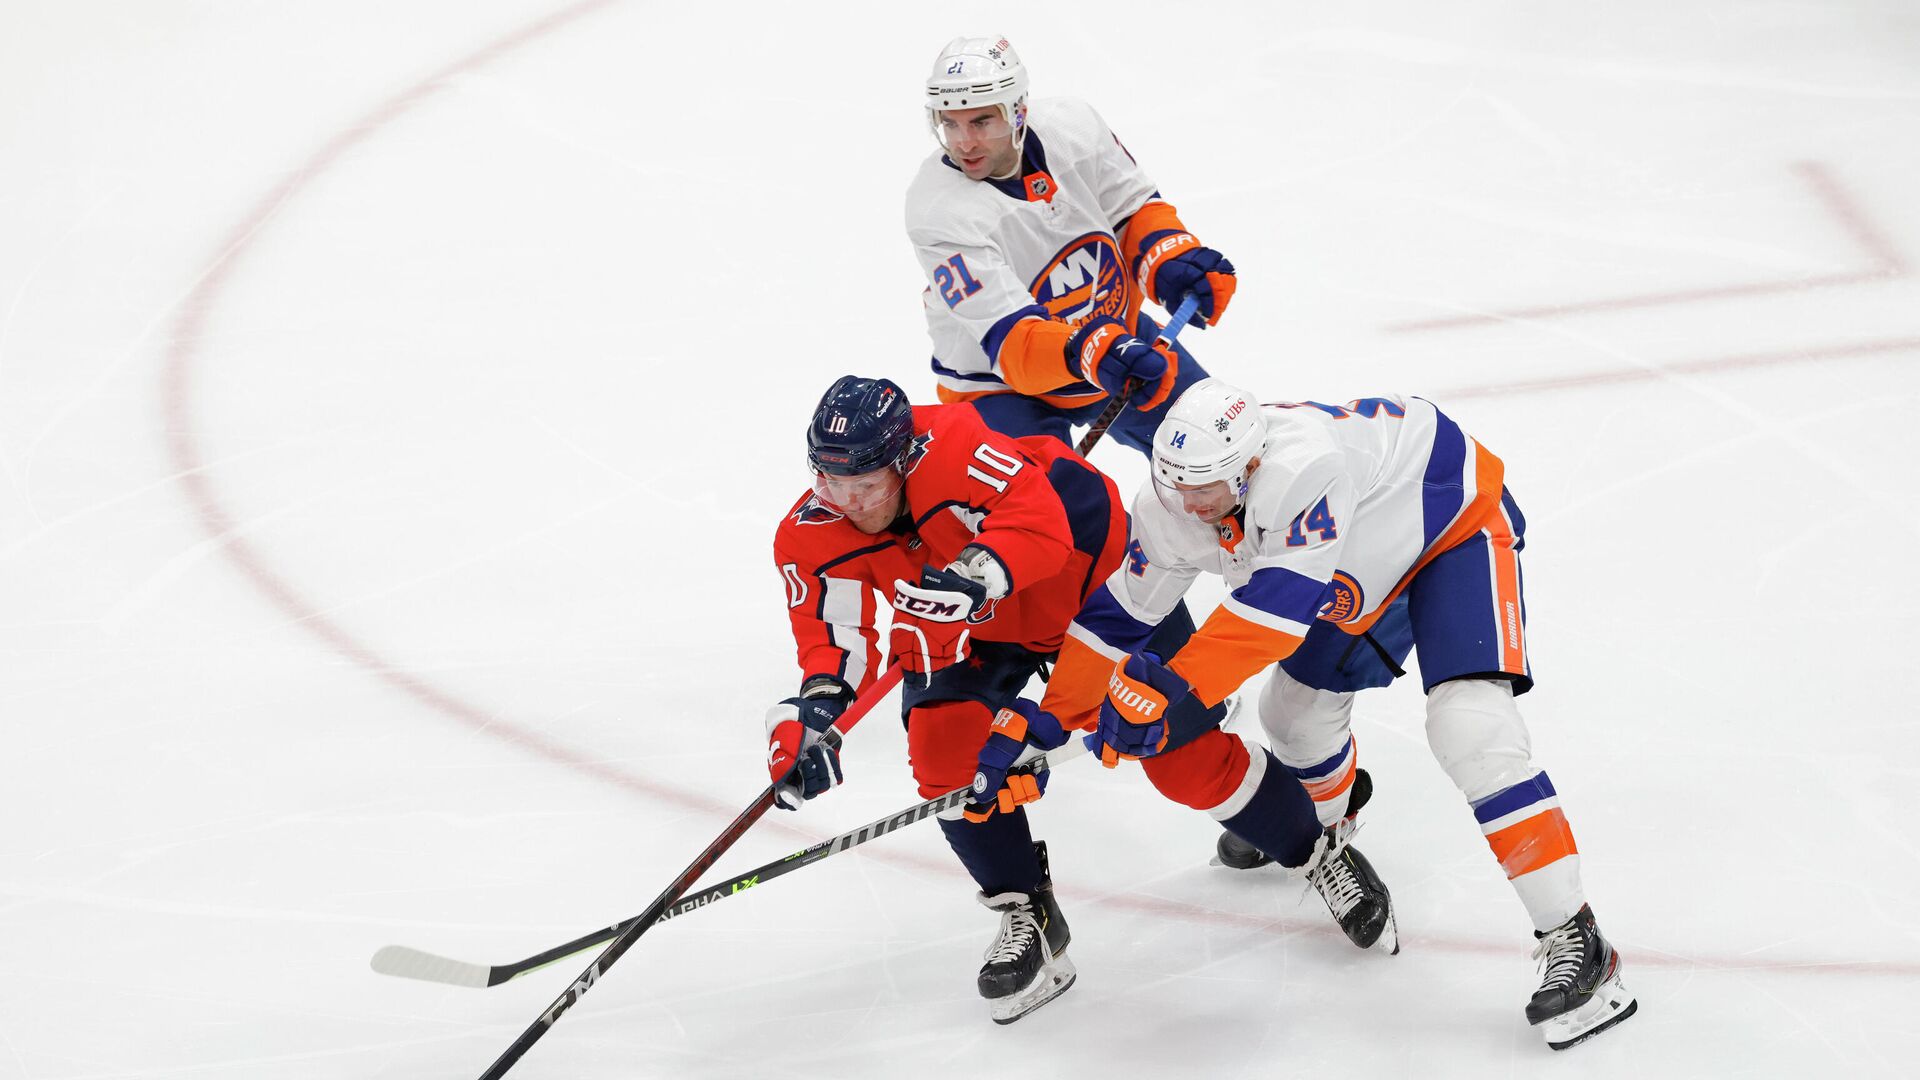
(860, 425)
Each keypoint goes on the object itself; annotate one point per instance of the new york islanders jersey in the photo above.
(1056, 524)
(1348, 503)
(1050, 248)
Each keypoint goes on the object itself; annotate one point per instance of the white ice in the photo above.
(396, 400)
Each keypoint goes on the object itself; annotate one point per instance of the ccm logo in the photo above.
(1123, 693)
(918, 606)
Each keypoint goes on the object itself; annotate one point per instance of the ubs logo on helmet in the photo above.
(1084, 279)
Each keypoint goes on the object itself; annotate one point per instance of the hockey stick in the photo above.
(1175, 323)
(728, 836)
(409, 963)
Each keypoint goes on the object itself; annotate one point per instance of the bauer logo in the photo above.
(1344, 599)
(1084, 280)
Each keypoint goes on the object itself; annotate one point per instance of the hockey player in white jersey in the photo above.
(1350, 536)
(1040, 237)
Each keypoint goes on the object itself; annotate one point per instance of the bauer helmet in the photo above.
(973, 72)
(1211, 434)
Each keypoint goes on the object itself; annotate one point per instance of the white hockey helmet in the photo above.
(973, 72)
(1209, 435)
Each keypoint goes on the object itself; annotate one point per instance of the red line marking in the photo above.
(183, 449)
(183, 446)
(1886, 265)
(1713, 364)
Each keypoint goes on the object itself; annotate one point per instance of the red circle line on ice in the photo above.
(191, 471)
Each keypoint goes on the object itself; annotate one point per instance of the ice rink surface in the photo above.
(397, 399)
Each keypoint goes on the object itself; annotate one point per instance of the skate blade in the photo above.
(1390, 935)
(1611, 1003)
(1052, 981)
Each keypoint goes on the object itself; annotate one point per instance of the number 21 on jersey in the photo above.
(954, 282)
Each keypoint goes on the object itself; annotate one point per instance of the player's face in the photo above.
(980, 140)
(1205, 503)
(870, 500)
(1208, 502)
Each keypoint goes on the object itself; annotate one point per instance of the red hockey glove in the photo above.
(930, 620)
(799, 758)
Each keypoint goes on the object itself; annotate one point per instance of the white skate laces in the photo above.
(1018, 930)
(1560, 953)
(1337, 884)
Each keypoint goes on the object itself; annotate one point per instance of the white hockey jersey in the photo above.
(1053, 243)
(1348, 503)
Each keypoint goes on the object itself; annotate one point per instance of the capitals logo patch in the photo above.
(1344, 599)
(815, 512)
(1084, 280)
(917, 451)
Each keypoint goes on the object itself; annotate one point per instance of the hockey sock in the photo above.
(1328, 782)
(1276, 815)
(997, 852)
(1530, 836)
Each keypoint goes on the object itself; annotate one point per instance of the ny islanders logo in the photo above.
(1343, 599)
(1084, 280)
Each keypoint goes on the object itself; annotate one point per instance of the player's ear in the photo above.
(1252, 466)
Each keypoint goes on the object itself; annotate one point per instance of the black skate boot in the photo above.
(1231, 851)
(1355, 895)
(1027, 963)
(1580, 993)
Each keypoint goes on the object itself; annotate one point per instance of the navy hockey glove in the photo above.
(799, 758)
(1173, 264)
(1103, 353)
(1133, 716)
(998, 785)
(930, 619)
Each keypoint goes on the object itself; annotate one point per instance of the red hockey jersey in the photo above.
(1057, 524)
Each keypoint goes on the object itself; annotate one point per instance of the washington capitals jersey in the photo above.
(1056, 524)
(1348, 503)
(1045, 244)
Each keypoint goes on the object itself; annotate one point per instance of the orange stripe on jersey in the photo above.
(1228, 651)
(1078, 685)
(1528, 845)
(1149, 219)
(1489, 475)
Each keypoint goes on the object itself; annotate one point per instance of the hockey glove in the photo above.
(800, 760)
(930, 619)
(998, 785)
(1173, 264)
(1133, 718)
(1103, 353)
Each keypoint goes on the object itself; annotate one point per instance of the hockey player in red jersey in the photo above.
(988, 546)
(1040, 237)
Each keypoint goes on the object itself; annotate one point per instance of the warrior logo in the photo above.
(1084, 280)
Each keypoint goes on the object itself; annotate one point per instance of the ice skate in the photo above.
(1580, 993)
(1355, 895)
(1027, 964)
